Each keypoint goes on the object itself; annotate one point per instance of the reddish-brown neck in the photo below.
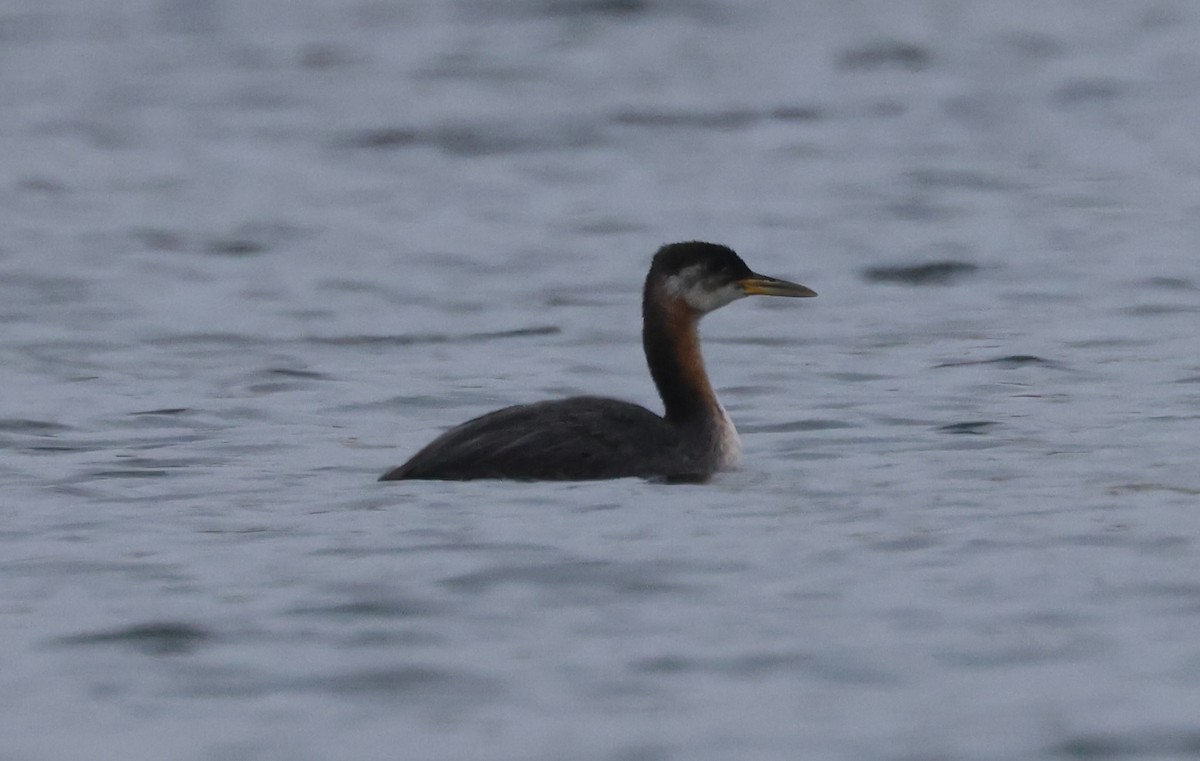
(671, 339)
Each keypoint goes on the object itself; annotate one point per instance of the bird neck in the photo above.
(671, 339)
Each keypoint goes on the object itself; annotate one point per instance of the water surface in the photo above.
(256, 254)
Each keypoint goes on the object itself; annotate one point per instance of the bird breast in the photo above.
(728, 444)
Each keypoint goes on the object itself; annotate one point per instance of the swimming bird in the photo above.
(590, 437)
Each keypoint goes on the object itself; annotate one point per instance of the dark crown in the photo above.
(714, 258)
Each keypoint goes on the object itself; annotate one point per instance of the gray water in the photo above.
(254, 254)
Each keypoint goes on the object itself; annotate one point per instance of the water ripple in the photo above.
(157, 638)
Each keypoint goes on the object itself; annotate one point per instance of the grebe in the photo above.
(590, 437)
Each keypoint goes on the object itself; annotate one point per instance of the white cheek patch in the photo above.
(689, 286)
(705, 301)
(678, 285)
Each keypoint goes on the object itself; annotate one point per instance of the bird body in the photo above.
(581, 438)
(590, 437)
